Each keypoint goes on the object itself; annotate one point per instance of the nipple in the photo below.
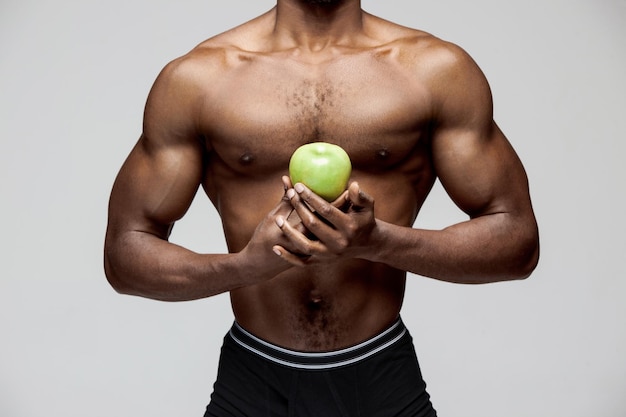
(246, 159)
(382, 154)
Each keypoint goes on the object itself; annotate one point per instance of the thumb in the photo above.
(283, 210)
(286, 182)
(284, 207)
(359, 198)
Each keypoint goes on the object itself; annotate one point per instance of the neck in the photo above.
(313, 26)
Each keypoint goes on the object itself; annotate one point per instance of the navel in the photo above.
(315, 303)
(315, 300)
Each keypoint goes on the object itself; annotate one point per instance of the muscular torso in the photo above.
(255, 114)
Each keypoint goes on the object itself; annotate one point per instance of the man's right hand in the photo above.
(268, 239)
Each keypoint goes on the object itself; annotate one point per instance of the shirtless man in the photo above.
(317, 303)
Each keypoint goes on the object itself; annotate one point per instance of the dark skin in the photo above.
(406, 106)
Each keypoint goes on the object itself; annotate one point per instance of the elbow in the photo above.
(527, 258)
(113, 277)
(527, 268)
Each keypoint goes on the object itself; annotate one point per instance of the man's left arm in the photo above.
(479, 170)
(483, 175)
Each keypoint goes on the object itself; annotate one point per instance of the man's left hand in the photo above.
(341, 229)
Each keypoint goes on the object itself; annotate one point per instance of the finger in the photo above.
(301, 244)
(287, 182)
(289, 257)
(359, 198)
(326, 210)
(284, 207)
(320, 220)
(342, 203)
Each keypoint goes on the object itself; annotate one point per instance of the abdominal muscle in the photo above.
(322, 308)
(317, 307)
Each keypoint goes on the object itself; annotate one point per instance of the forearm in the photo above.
(142, 264)
(496, 247)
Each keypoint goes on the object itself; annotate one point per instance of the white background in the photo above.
(74, 76)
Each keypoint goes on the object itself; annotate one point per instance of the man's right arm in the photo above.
(155, 187)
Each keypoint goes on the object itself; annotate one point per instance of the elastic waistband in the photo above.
(318, 360)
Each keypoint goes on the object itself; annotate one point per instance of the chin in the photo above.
(322, 1)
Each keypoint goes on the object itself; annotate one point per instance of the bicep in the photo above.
(160, 177)
(473, 159)
(155, 187)
(480, 171)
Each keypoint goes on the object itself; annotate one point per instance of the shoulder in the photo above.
(434, 56)
(205, 60)
(194, 75)
(433, 59)
(457, 89)
(454, 81)
(183, 85)
(221, 51)
(212, 59)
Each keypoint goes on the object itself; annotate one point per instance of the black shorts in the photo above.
(378, 378)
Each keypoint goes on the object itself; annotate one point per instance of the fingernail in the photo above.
(280, 222)
(299, 187)
(291, 193)
(276, 251)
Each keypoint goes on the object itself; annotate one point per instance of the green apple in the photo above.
(323, 167)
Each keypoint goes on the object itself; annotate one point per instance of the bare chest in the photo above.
(264, 110)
